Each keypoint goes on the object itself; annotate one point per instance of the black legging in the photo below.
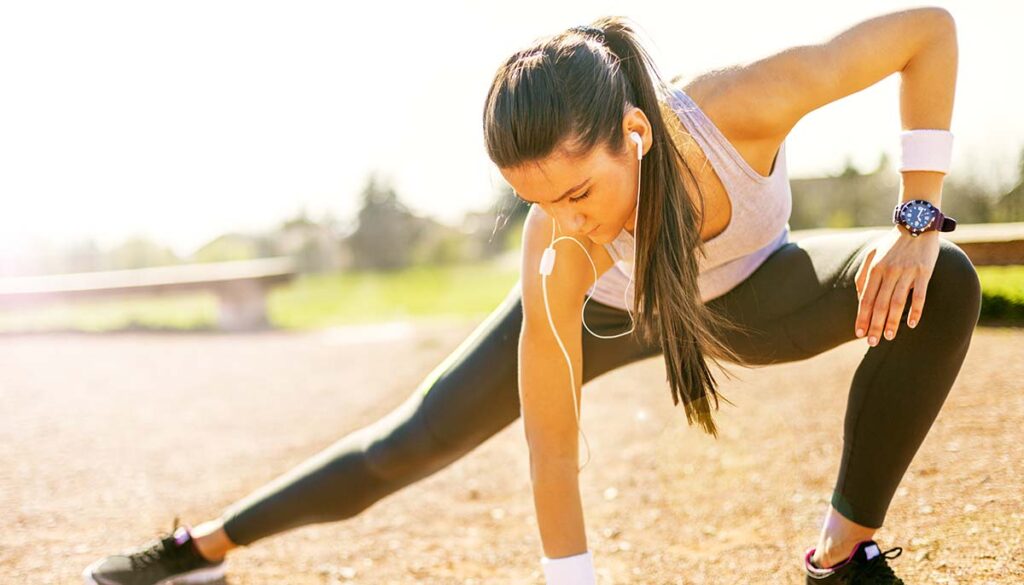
(799, 303)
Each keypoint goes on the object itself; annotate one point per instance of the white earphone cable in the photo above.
(547, 265)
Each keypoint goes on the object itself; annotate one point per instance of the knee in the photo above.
(400, 443)
(955, 286)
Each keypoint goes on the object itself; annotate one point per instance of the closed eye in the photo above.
(581, 197)
(571, 199)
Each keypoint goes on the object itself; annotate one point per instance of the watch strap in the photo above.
(943, 223)
(937, 223)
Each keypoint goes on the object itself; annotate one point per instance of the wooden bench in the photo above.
(241, 287)
(986, 244)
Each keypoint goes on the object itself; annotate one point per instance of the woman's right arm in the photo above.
(549, 415)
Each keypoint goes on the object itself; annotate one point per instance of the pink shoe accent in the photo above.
(182, 534)
(810, 553)
(809, 566)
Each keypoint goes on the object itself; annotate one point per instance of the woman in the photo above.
(682, 190)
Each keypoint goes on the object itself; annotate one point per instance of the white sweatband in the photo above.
(574, 570)
(926, 150)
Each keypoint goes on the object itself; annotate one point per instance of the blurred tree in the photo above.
(440, 245)
(232, 246)
(83, 255)
(509, 213)
(848, 169)
(140, 252)
(387, 231)
(313, 245)
(1010, 206)
(839, 217)
(851, 199)
(967, 199)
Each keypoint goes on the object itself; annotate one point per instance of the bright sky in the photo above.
(186, 119)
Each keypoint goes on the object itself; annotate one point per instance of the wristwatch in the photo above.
(919, 216)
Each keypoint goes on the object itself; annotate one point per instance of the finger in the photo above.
(917, 302)
(867, 298)
(899, 301)
(864, 307)
(886, 282)
(862, 273)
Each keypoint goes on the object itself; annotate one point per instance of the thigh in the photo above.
(800, 302)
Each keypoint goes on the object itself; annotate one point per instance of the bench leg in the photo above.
(242, 306)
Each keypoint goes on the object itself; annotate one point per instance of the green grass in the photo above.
(1002, 292)
(1005, 281)
(310, 301)
(322, 300)
(178, 312)
(333, 299)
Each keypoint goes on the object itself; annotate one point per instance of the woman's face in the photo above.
(593, 196)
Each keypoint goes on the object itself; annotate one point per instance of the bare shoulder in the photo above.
(703, 87)
(724, 96)
(573, 274)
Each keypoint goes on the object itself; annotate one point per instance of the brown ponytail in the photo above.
(573, 88)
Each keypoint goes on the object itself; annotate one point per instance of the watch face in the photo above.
(917, 215)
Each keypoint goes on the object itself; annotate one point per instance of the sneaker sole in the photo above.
(197, 576)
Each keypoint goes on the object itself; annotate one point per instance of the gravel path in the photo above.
(105, 438)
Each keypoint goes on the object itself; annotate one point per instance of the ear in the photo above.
(636, 121)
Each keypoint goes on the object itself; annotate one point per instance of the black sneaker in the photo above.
(172, 559)
(866, 565)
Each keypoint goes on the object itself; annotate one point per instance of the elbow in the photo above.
(942, 20)
(935, 30)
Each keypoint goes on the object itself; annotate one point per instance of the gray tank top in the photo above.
(759, 224)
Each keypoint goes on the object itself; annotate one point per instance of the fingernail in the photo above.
(888, 334)
(860, 332)
(872, 340)
(912, 323)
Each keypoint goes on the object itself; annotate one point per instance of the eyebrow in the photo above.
(564, 195)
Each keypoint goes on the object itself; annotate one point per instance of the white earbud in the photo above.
(547, 265)
(639, 144)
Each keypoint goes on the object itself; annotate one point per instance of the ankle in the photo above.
(823, 561)
(826, 557)
(208, 553)
(211, 541)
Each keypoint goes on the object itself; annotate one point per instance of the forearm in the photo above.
(551, 397)
(556, 496)
(927, 87)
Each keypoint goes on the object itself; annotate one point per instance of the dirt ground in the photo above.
(104, 439)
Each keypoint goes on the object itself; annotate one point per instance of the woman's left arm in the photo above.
(765, 99)
(901, 262)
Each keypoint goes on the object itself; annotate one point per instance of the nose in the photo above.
(572, 221)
